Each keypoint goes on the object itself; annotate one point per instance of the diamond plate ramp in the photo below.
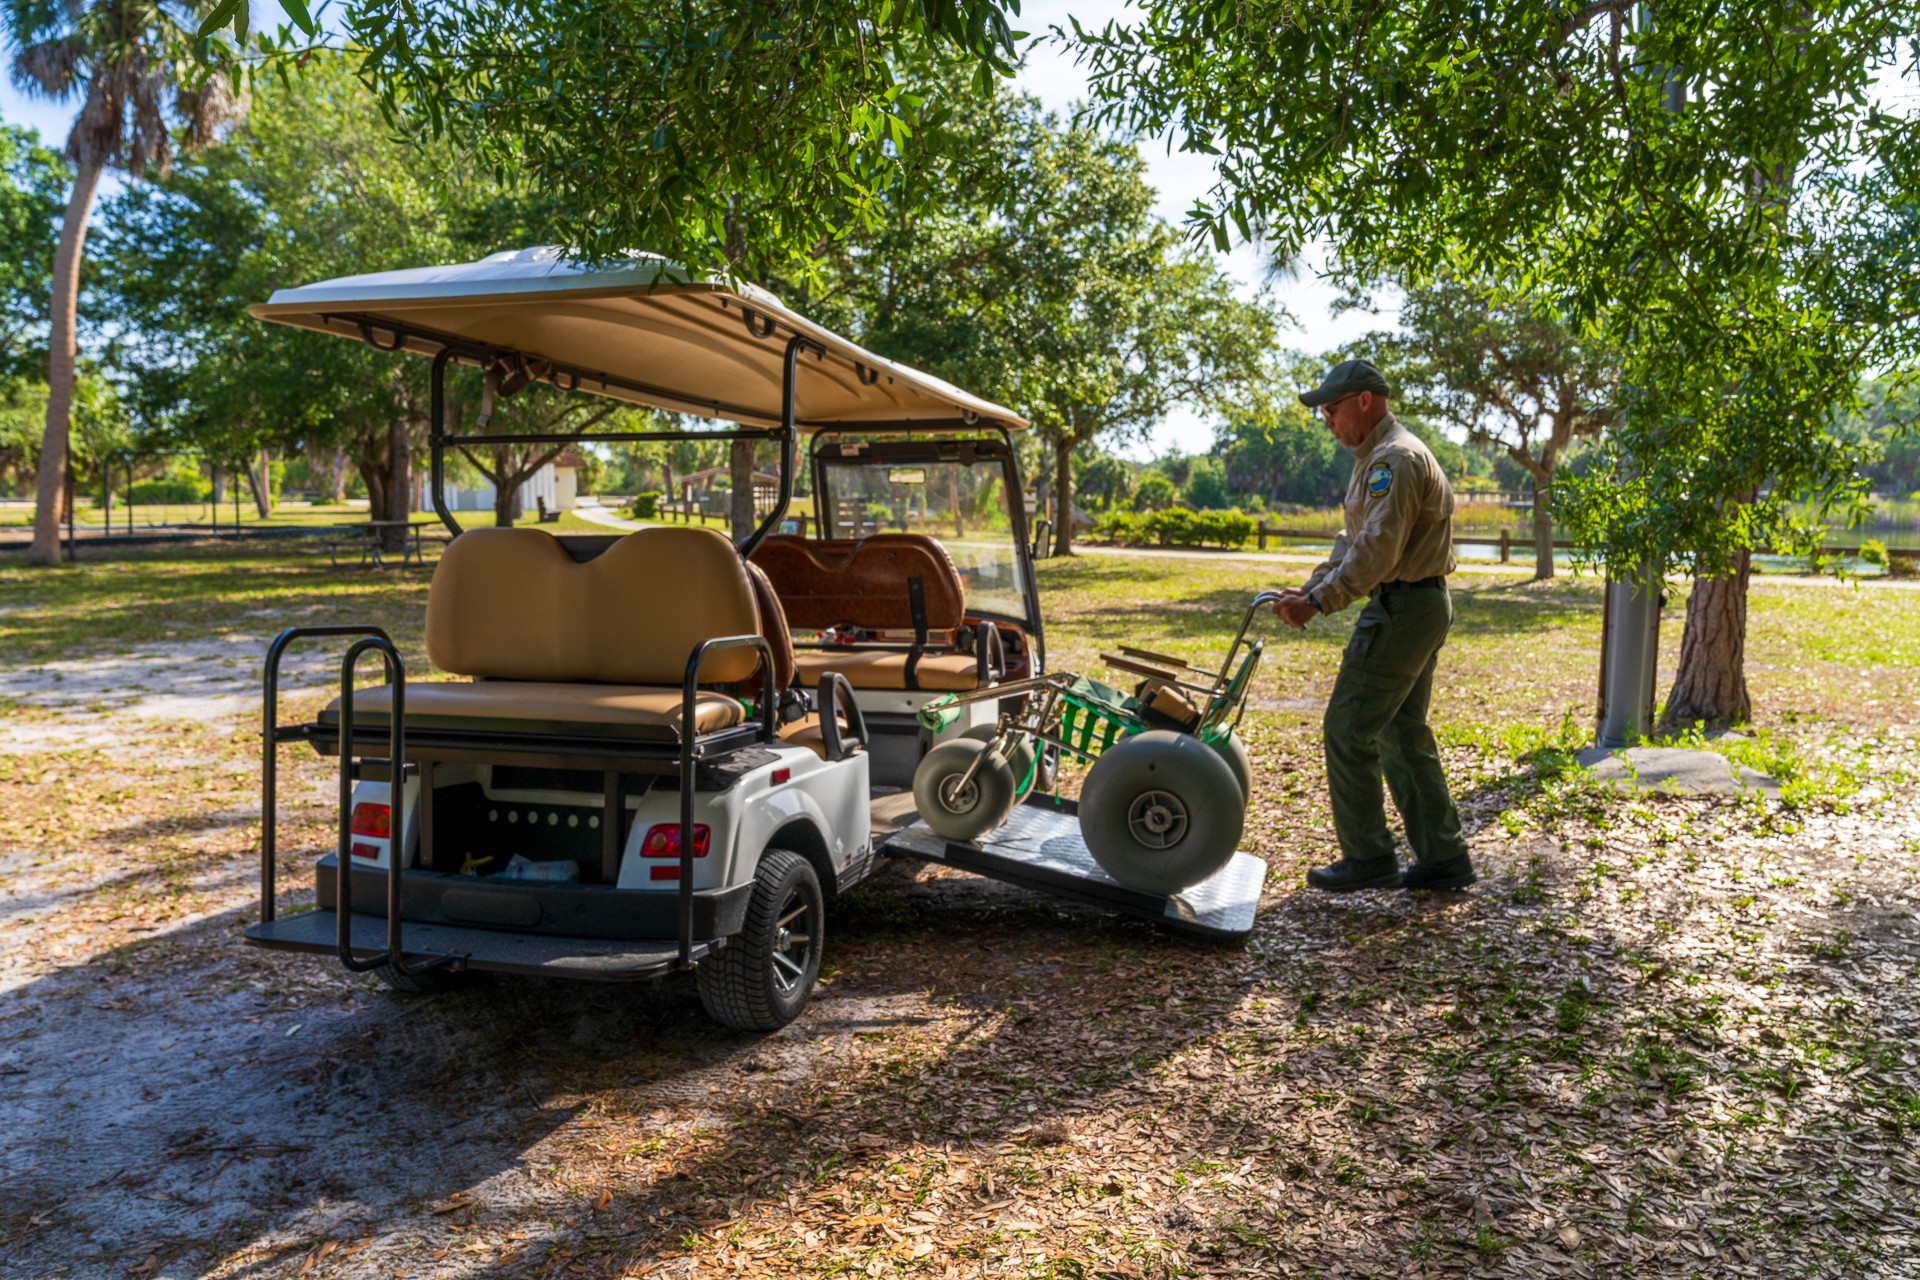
(1040, 848)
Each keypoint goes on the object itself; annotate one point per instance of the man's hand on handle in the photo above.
(1295, 608)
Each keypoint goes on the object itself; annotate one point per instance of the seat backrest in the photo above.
(827, 582)
(513, 605)
(773, 625)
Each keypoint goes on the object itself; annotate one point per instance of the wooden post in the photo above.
(1506, 544)
(1263, 536)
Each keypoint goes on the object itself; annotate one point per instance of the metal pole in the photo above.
(1631, 650)
(437, 439)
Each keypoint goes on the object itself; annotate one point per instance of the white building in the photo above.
(557, 483)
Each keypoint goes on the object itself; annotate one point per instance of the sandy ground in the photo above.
(173, 1104)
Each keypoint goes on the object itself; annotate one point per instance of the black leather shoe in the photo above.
(1454, 873)
(1347, 875)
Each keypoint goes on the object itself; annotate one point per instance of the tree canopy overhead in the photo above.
(1497, 138)
(732, 135)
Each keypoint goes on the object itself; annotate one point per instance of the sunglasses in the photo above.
(1326, 410)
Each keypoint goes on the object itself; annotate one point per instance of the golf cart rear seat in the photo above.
(594, 649)
(887, 585)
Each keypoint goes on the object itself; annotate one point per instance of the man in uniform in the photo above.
(1396, 551)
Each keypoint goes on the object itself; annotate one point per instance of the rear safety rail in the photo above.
(689, 752)
(395, 766)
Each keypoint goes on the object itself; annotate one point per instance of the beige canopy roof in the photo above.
(640, 332)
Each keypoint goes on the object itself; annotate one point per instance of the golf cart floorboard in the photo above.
(1040, 847)
(493, 950)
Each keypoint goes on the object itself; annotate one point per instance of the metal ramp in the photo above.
(1040, 848)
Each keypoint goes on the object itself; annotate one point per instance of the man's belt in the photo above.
(1404, 584)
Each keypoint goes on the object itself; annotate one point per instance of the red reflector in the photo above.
(781, 775)
(372, 820)
(663, 841)
(365, 850)
(664, 873)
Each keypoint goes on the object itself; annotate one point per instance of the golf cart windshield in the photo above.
(953, 491)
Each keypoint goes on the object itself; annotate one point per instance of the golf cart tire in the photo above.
(1234, 752)
(987, 800)
(1161, 811)
(747, 985)
(432, 982)
(1019, 757)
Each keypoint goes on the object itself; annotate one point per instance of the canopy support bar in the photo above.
(795, 345)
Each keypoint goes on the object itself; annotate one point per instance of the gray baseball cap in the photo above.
(1349, 377)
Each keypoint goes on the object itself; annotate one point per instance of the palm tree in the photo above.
(135, 61)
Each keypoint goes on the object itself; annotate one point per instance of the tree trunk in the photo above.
(740, 464)
(1542, 530)
(399, 486)
(49, 508)
(219, 486)
(505, 499)
(1063, 496)
(337, 492)
(953, 491)
(260, 481)
(374, 476)
(1711, 683)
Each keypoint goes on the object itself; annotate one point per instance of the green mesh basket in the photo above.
(1094, 715)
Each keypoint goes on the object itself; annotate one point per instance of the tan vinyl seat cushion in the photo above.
(805, 732)
(878, 669)
(511, 604)
(577, 710)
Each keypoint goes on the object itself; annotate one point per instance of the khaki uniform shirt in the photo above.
(1398, 516)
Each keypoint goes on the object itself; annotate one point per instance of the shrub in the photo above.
(1874, 552)
(154, 492)
(1123, 526)
(1175, 527)
(646, 506)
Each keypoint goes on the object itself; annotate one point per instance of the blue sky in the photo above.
(1051, 76)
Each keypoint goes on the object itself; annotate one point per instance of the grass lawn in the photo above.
(1666, 1035)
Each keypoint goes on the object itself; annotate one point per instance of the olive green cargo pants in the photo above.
(1377, 720)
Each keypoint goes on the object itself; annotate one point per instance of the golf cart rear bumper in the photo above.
(579, 912)
(488, 950)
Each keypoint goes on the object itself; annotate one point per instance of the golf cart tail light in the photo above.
(364, 850)
(664, 873)
(781, 775)
(663, 841)
(372, 820)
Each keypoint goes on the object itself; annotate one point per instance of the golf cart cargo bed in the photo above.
(1040, 847)
(594, 959)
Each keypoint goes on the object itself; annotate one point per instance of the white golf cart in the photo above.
(669, 752)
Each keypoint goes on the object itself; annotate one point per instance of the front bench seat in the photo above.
(580, 649)
(830, 582)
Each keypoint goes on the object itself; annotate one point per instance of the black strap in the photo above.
(917, 604)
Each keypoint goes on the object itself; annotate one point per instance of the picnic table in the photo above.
(371, 534)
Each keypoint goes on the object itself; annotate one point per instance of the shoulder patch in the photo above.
(1379, 479)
